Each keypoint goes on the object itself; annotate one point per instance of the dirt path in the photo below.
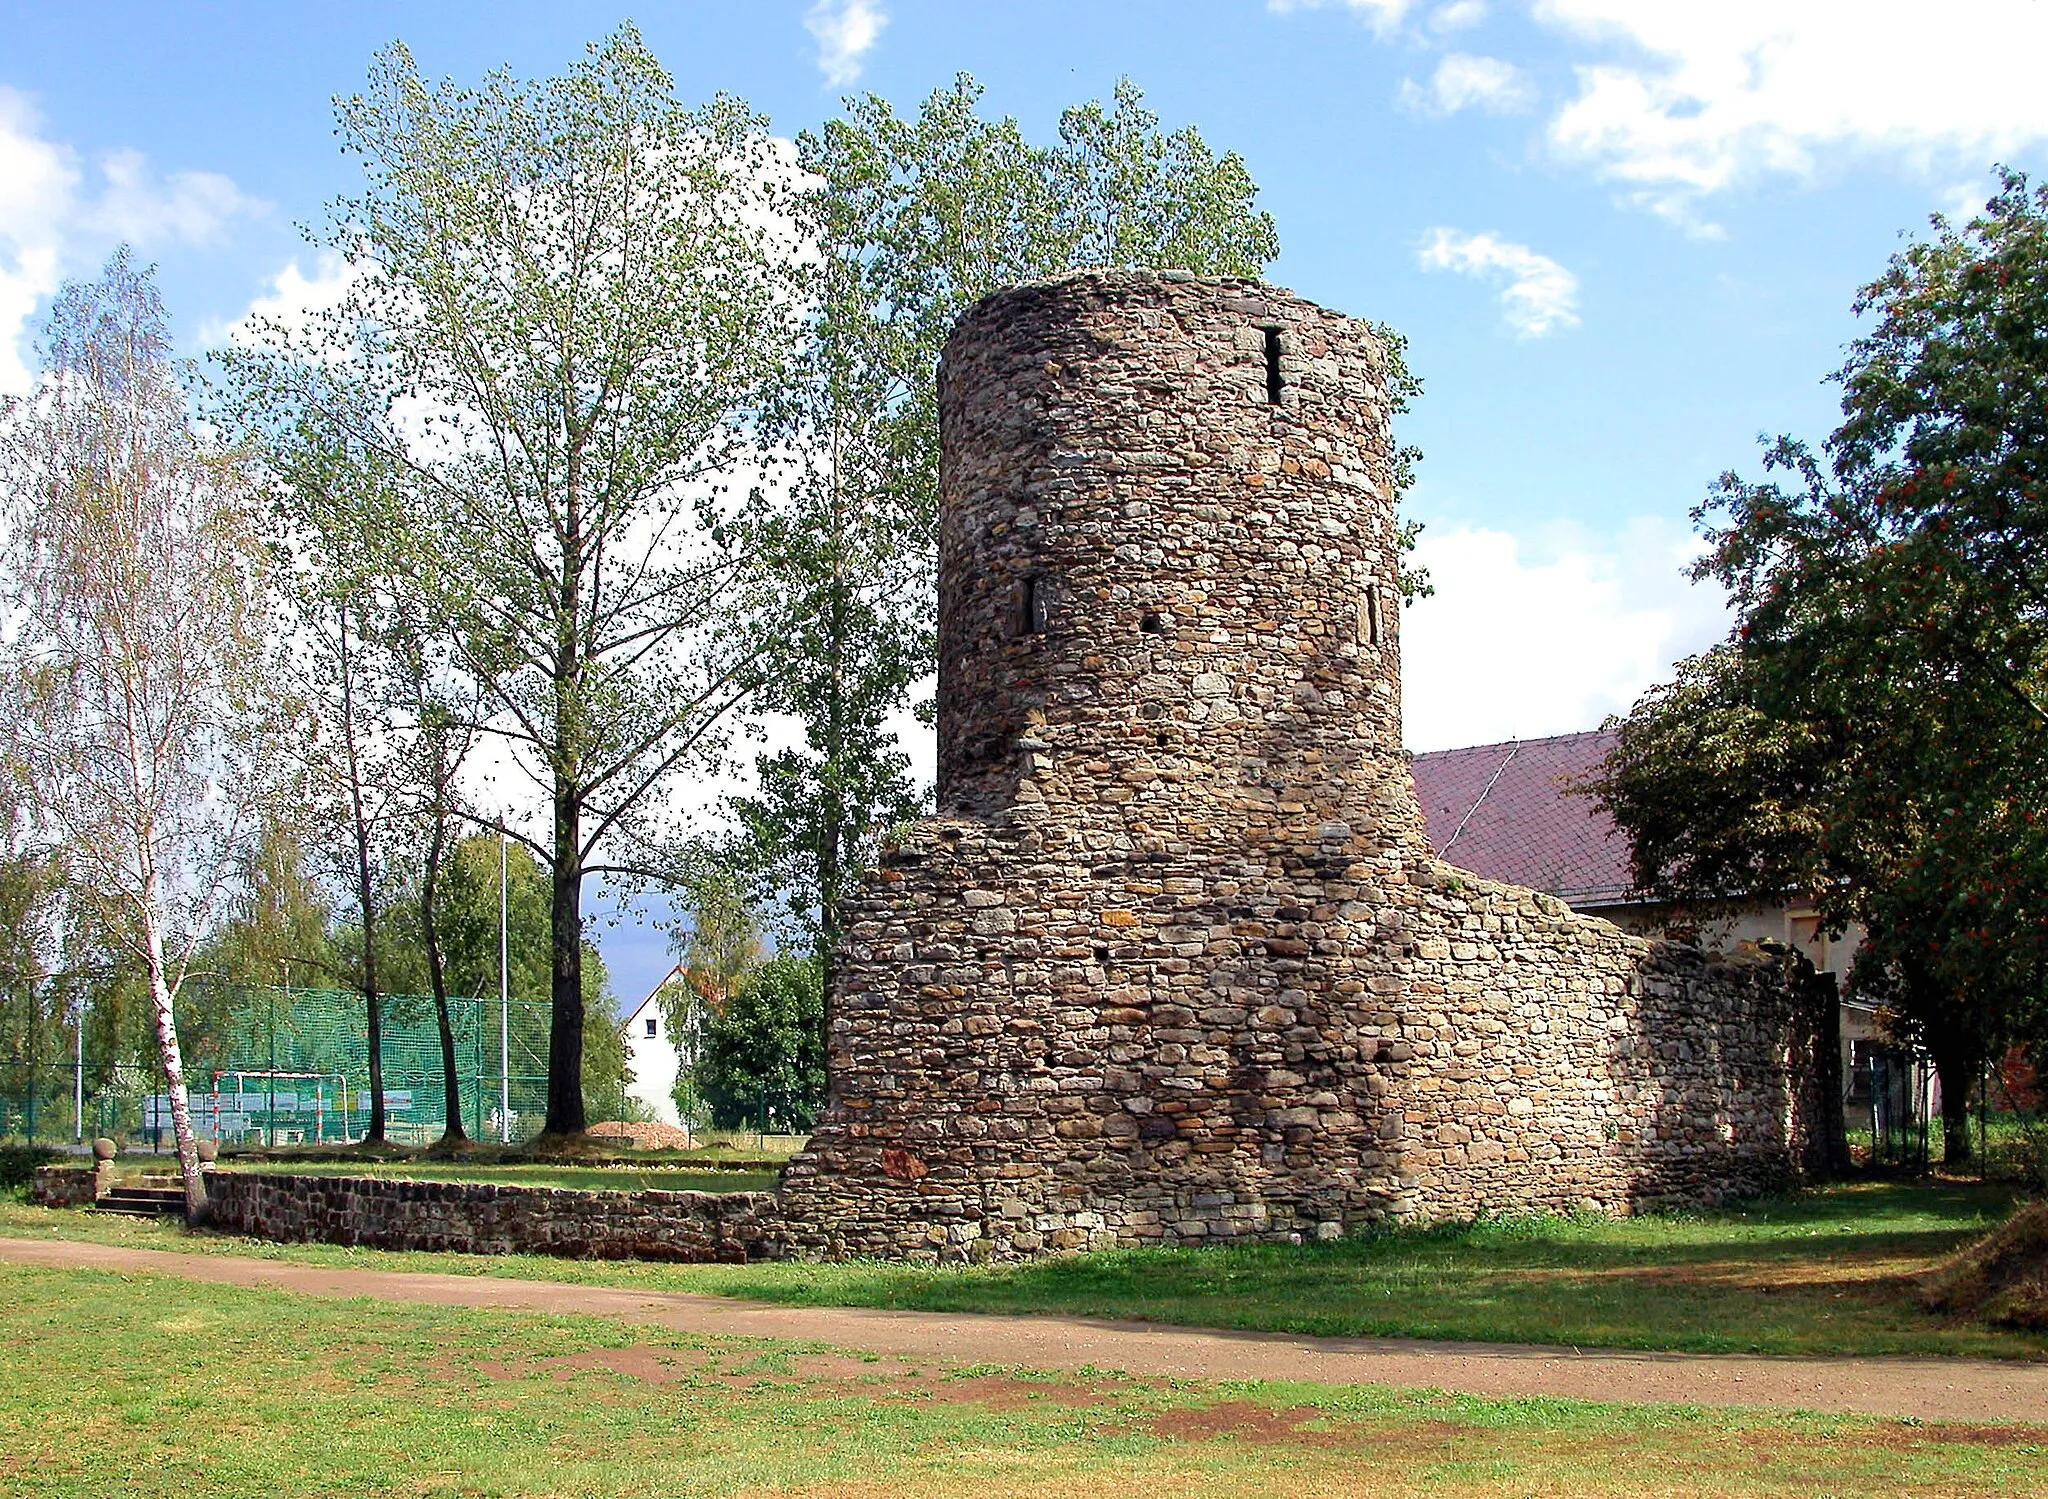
(1927, 1388)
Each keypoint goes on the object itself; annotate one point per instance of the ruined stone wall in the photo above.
(1550, 1061)
(1175, 961)
(488, 1218)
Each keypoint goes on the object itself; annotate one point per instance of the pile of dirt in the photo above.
(2003, 1277)
(643, 1136)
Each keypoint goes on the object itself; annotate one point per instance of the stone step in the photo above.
(142, 1202)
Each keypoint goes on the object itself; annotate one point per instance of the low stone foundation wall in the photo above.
(64, 1187)
(1282, 1056)
(486, 1218)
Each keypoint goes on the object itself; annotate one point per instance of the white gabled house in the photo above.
(655, 1058)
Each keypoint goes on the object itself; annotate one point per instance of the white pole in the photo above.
(504, 1012)
(78, 1021)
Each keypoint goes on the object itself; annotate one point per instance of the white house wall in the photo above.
(653, 1062)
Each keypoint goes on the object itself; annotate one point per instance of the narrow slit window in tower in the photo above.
(1371, 613)
(1273, 366)
(1027, 615)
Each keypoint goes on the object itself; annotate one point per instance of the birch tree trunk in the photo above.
(164, 1014)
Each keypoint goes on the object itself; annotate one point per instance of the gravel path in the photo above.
(1939, 1389)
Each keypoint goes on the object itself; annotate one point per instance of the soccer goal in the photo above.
(280, 1107)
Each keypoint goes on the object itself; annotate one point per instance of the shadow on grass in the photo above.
(1825, 1271)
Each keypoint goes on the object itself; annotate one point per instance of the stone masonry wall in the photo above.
(1174, 961)
(64, 1187)
(484, 1218)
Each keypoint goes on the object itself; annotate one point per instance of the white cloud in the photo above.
(1707, 97)
(193, 207)
(1546, 635)
(1382, 15)
(1963, 201)
(37, 182)
(292, 300)
(845, 31)
(51, 226)
(1676, 103)
(1537, 295)
(1463, 81)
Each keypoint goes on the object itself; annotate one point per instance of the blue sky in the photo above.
(1623, 236)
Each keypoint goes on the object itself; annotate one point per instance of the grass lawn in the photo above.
(146, 1385)
(1827, 1271)
(608, 1178)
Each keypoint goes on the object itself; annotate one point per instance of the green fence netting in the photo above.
(290, 1066)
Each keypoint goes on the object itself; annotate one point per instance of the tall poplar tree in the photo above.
(564, 305)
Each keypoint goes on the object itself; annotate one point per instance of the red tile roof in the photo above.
(1500, 810)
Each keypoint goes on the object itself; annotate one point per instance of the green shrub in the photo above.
(18, 1166)
(764, 1051)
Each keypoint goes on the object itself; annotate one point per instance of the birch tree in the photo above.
(136, 640)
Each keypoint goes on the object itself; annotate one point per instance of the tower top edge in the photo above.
(1168, 282)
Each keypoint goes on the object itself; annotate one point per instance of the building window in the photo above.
(1369, 615)
(650, 1025)
(1273, 366)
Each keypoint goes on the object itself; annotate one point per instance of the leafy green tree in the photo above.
(34, 1031)
(278, 926)
(564, 304)
(718, 947)
(278, 935)
(1875, 726)
(1720, 797)
(104, 984)
(605, 1073)
(765, 1049)
(467, 918)
(1123, 194)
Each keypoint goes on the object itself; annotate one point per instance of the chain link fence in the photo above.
(290, 1066)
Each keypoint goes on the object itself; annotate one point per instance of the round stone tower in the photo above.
(1133, 982)
(1167, 566)
(1174, 962)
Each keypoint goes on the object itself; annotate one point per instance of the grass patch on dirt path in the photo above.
(1830, 1271)
(139, 1384)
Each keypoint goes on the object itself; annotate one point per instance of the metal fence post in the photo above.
(270, 1082)
(1984, 1123)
